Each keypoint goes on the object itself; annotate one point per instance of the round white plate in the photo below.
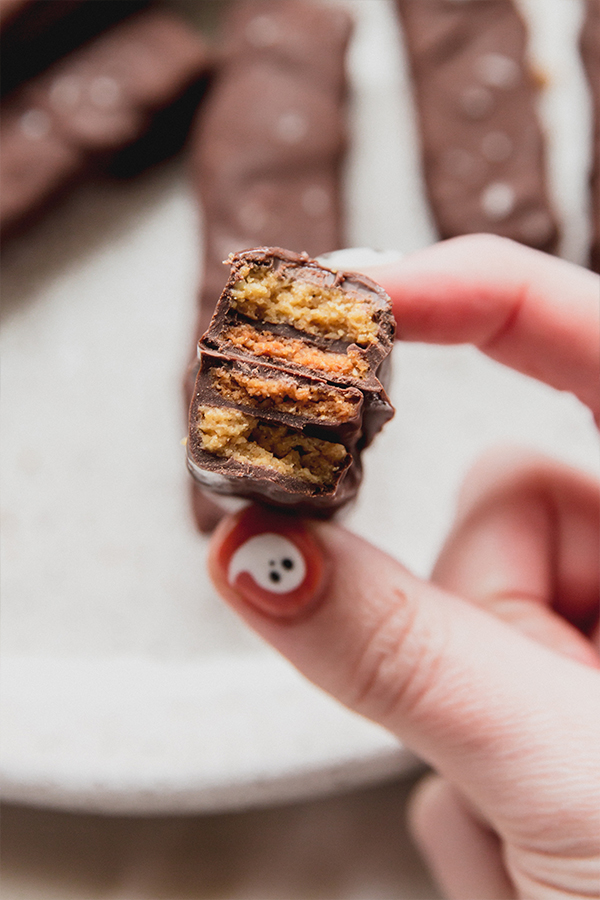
(126, 684)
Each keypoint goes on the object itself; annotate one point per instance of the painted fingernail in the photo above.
(272, 562)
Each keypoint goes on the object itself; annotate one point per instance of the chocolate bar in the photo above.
(289, 389)
(482, 146)
(93, 103)
(267, 151)
(9, 10)
(590, 54)
(271, 135)
(36, 33)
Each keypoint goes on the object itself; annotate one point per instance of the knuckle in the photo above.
(395, 665)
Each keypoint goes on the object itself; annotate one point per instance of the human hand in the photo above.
(490, 672)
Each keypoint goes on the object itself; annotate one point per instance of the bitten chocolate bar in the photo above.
(268, 147)
(91, 104)
(482, 145)
(36, 33)
(289, 389)
(271, 134)
(590, 54)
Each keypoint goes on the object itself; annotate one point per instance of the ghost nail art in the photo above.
(272, 562)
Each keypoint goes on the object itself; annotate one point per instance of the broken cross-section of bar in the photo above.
(290, 385)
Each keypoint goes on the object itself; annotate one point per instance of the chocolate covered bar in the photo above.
(9, 10)
(267, 150)
(590, 54)
(289, 388)
(482, 145)
(36, 33)
(266, 153)
(91, 104)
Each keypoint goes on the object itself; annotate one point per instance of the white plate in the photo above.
(126, 684)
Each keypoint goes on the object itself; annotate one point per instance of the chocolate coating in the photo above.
(233, 478)
(590, 54)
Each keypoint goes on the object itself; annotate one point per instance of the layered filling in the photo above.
(324, 310)
(319, 402)
(231, 434)
(268, 345)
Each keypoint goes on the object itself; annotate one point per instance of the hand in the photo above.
(489, 672)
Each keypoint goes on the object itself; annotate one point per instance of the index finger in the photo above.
(533, 312)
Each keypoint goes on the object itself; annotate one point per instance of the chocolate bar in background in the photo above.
(36, 33)
(590, 54)
(481, 141)
(268, 148)
(9, 10)
(92, 104)
(288, 391)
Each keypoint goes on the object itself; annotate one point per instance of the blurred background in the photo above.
(151, 746)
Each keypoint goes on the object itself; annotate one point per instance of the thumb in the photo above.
(463, 689)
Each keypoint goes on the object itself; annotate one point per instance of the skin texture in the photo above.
(491, 671)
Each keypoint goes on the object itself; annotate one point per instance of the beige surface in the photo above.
(351, 847)
(104, 580)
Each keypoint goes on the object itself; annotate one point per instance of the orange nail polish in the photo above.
(272, 562)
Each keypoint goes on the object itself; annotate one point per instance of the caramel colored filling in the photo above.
(264, 296)
(287, 395)
(235, 435)
(272, 346)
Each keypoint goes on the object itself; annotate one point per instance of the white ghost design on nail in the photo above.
(274, 562)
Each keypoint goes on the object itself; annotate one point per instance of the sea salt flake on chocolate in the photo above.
(105, 92)
(497, 70)
(35, 124)
(498, 200)
(262, 31)
(291, 127)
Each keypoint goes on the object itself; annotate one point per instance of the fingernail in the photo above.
(272, 562)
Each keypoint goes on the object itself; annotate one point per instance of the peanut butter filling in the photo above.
(273, 346)
(318, 402)
(235, 435)
(264, 296)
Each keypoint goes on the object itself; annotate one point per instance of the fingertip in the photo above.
(462, 852)
(524, 546)
(267, 562)
(422, 804)
(506, 299)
